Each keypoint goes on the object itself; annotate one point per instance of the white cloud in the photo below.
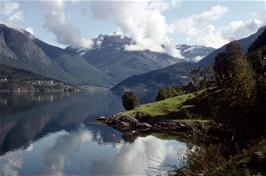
(198, 27)
(30, 30)
(215, 13)
(16, 18)
(196, 59)
(10, 163)
(56, 157)
(141, 157)
(175, 3)
(145, 22)
(201, 28)
(239, 29)
(8, 7)
(142, 20)
(11, 13)
(56, 22)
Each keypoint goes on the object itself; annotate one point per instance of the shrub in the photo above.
(209, 160)
(130, 100)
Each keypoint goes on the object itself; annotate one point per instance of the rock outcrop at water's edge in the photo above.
(141, 123)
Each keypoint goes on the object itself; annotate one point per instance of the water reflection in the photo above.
(26, 118)
(76, 153)
(40, 135)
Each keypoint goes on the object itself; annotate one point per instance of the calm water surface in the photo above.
(57, 135)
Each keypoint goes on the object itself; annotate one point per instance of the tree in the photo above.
(195, 77)
(199, 78)
(235, 77)
(257, 56)
(130, 100)
(258, 60)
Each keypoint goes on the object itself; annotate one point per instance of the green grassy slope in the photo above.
(175, 107)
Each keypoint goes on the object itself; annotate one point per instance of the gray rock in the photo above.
(101, 118)
(125, 124)
(131, 120)
(144, 125)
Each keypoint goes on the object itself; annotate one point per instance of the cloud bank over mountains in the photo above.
(145, 22)
(56, 22)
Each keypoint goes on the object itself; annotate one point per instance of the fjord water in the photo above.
(56, 134)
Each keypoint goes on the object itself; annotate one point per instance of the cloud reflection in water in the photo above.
(78, 153)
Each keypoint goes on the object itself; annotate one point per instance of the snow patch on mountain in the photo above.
(117, 34)
(118, 41)
(194, 53)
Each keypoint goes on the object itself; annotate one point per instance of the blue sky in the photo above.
(236, 19)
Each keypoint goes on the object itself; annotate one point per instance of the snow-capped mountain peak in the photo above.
(194, 53)
(116, 42)
(117, 34)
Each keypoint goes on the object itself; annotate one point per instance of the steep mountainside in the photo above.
(18, 50)
(109, 55)
(260, 42)
(75, 65)
(21, 50)
(85, 73)
(18, 80)
(50, 50)
(154, 80)
(176, 74)
(8, 73)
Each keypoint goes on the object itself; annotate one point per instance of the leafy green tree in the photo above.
(130, 100)
(235, 77)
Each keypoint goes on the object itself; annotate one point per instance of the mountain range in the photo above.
(105, 64)
(21, 50)
(152, 81)
(176, 74)
(109, 55)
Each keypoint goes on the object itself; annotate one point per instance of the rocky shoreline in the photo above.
(142, 124)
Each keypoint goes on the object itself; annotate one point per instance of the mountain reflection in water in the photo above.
(46, 135)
